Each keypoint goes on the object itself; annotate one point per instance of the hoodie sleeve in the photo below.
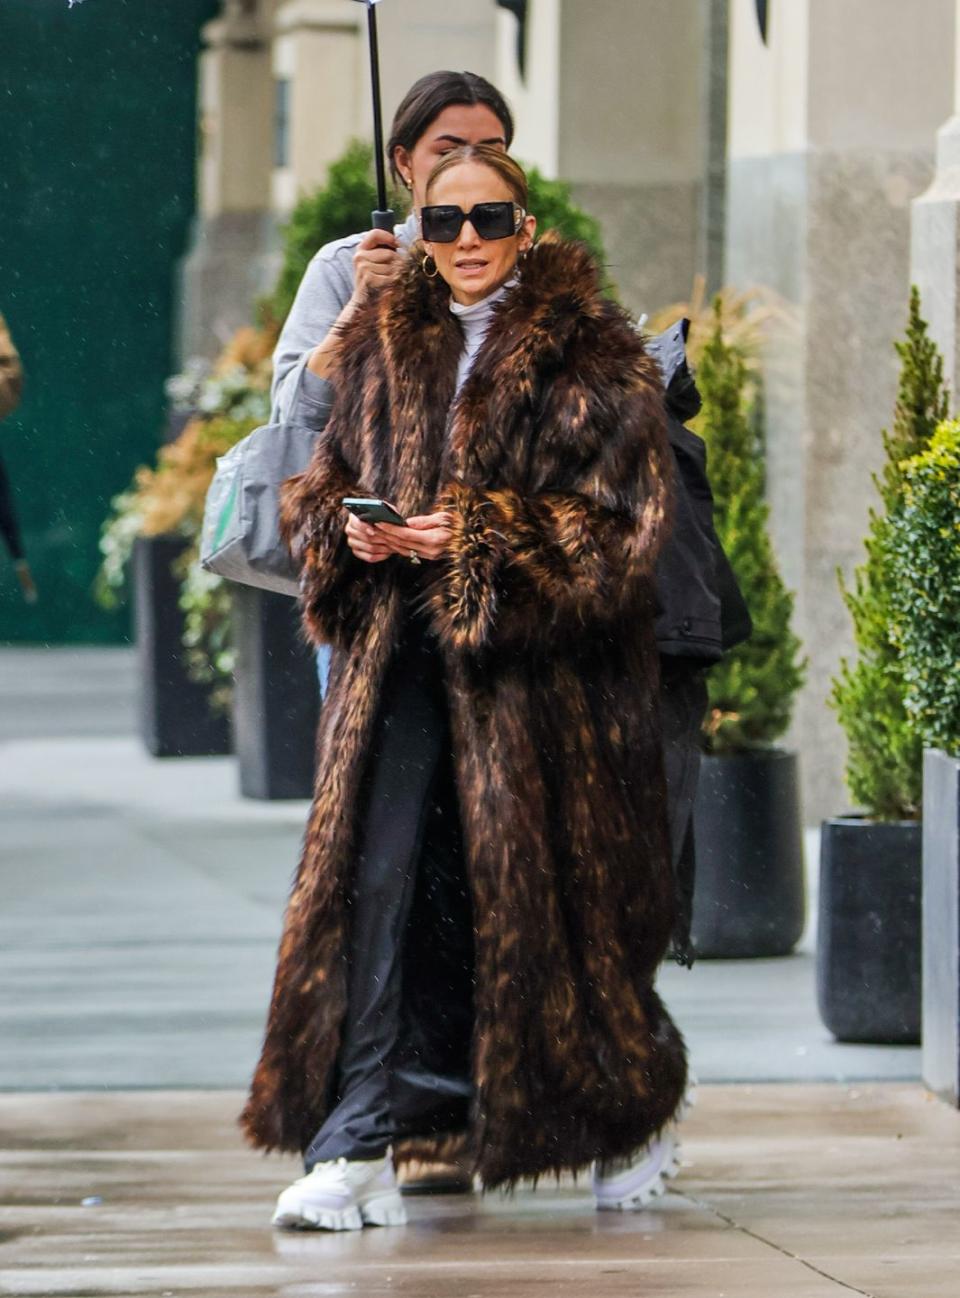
(298, 395)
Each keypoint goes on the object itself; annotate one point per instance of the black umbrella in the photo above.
(383, 218)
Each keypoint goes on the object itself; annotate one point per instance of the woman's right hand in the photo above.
(376, 262)
(366, 542)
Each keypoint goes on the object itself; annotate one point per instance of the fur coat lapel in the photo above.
(554, 464)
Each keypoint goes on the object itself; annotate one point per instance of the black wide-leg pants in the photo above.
(683, 705)
(404, 1061)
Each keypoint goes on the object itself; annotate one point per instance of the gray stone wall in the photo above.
(651, 234)
(830, 232)
(634, 115)
(935, 250)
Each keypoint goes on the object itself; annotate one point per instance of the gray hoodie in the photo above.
(299, 395)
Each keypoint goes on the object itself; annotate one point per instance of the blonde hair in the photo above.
(509, 171)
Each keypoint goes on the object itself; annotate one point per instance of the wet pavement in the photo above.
(141, 909)
(143, 899)
(787, 1191)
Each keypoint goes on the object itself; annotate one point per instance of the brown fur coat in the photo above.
(554, 464)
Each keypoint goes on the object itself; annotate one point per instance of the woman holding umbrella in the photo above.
(441, 112)
(491, 731)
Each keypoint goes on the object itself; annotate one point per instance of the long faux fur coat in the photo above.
(554, 464)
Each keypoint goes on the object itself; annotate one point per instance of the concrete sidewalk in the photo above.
(142, 906)
(143, 901)
(788, 1191)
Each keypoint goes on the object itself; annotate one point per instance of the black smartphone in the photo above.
(372, 510)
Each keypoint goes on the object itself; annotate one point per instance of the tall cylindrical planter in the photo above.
(276, 697)
(941, 924)
(176, 716)
(749, 897)
(869, 930)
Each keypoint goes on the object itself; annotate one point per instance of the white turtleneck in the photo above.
(475, 321)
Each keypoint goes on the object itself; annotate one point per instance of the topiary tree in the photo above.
(342, 206)
(922, 553)
(885, 749)
(752, 689)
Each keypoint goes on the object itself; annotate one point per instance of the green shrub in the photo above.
(885, 749)
(552, 205)
(922, 548)
(752, 689)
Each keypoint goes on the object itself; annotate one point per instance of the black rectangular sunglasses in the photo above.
(442, 223)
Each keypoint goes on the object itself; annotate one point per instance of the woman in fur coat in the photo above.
(489, 755)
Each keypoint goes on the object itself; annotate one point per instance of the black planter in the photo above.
(941, 924)
(749, 898)
(868, 934)
(276, 698)
(176, 719)
(177, 421)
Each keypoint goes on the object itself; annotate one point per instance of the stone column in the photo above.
(829, 140)
(935, 269)
(319, 70)
(632, 136)
(321, 58)
(533, 91)
(935, 237)
(941, 925)
(222, 274)
(421, 36)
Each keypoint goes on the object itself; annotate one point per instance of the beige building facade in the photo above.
(613, 97)
(831, 131)
(784, 152)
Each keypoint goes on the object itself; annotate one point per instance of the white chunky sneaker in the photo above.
(621, 1184)
(342, 1195)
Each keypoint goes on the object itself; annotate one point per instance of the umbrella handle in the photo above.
(382, 217)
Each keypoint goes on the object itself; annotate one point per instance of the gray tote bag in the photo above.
(240, 537)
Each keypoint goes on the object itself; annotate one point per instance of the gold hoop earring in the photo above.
(430, 274)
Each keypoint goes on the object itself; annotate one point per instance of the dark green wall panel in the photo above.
(97, 150)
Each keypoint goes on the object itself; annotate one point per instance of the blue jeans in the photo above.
(323, 669)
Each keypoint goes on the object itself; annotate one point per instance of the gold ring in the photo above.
(414, 557)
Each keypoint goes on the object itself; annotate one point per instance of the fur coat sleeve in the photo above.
(553, 462)
(535, 567)
(562, 537)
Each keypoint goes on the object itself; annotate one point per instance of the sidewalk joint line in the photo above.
(794, 1257)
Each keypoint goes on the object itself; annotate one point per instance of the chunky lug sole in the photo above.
(610, 1198)
(378, 1210)
(630, 1190)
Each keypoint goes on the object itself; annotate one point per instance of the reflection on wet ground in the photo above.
(141, 910)
(798, 1191)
